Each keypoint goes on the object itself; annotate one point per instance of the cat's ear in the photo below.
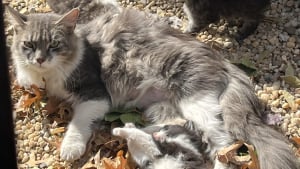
(16, 19)
(69, 19)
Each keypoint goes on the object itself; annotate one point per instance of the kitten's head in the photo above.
(44, 41)
(171, 132)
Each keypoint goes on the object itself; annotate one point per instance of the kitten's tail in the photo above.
(272, 147)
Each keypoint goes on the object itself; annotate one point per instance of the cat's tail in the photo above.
(242, 116)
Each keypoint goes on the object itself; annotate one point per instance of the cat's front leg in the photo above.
(79, 129)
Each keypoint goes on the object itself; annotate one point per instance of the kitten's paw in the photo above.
(72, 148)
(116, 131)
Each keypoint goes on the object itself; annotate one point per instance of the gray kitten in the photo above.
(201, 13)
(146, 64)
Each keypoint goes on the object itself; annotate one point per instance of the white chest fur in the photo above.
(53, 81)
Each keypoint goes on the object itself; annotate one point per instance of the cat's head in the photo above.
(44, 41)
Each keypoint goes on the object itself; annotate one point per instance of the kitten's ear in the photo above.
(189, 125)
(16, 18)
(69, 19)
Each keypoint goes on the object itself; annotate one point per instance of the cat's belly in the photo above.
(141, 98)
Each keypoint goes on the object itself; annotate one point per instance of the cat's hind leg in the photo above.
(163, 113)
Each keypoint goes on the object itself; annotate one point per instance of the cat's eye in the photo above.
(54, 44)
(29, 45)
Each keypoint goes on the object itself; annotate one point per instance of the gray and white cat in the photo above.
(166, 146)
(47, 53)
(146, 64)
(201, 13)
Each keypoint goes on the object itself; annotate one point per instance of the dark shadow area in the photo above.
(7, 143)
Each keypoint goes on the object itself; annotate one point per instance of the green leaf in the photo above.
(131, 117)
(246, 65)
(289, 98)
(289, 71)
(113, 116)
(293, 81)
(125, 110)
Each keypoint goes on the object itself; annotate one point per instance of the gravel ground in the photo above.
(273, 51)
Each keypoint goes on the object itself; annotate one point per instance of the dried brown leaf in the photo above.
(123, 161)
(229, 154)
(296, 140)
(27, 100)
(108, 163)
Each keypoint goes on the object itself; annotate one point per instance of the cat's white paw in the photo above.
(72, 148)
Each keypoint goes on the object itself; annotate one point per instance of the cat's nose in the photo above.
(40, 60)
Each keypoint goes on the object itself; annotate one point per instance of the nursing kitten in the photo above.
(170, 146)
(162, 71)
(201, 13)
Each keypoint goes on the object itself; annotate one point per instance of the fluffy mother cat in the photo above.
(146, 64)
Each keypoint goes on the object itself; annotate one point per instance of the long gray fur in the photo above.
(167, 70)
(166, 73)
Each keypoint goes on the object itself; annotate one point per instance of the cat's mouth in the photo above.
(40, 67)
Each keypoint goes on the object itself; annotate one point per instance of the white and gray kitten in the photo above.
(164, 146)
(147, 64)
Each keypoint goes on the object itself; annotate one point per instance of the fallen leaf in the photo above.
(290, 99)
(246, 65)
(293, 81)
(289, 71)
(132, 117)
(108, 163)
(36, 98)
(296, 140)
(28, 99)
(113, 116)
(229, 154)
(123, 161)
